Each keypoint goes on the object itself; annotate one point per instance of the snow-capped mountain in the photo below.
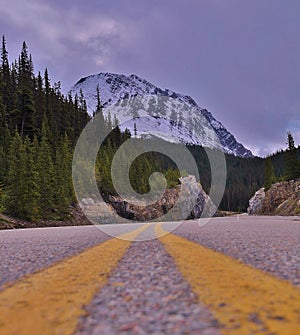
(155, 112)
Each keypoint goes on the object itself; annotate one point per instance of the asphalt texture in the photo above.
(24, 251)
(146, 293)
(271, 244)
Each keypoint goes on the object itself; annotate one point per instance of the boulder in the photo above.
(190, 189)
(256, 202)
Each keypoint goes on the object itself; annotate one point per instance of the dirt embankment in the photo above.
(76, 218)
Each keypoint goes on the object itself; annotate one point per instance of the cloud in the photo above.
(239, 60)
(294, 127)
(65, 38)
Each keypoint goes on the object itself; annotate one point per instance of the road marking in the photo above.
(243, 299)
(52, 300)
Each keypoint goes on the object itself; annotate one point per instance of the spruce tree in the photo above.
(2, 116)
(15, 180)
(99, 105)
(39, 104)
(26, 113)
(5, 140)
(4, 59)
(22, 180)
(47, 91)
(269, 174)
(292, 164)
(45, 169)
(31, 183)
(63, 177)
(5, 88)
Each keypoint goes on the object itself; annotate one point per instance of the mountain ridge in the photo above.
(138, 91)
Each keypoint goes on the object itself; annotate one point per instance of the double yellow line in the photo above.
(51, 301)
(244, 300)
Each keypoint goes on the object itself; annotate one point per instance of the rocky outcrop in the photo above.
(281, 199)
(256, 202)
(188, 188)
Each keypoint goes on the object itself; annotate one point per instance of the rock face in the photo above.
(281, 199)
(189, 188)
(99, 212)
(256, 202)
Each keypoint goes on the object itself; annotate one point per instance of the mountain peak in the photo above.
(119, 87)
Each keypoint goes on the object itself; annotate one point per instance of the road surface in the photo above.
(233, 275)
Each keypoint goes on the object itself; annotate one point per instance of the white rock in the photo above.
(256, 202)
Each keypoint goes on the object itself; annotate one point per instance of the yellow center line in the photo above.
(243, 299)
(52, 300)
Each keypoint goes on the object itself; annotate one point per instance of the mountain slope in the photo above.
(156, 112)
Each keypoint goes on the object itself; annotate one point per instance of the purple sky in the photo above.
(239, 59)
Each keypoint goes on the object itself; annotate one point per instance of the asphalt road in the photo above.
(234, 275)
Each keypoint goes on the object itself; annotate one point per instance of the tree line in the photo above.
(39, 127)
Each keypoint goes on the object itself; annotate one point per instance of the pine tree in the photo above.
(5, 88)
(2, 115)
(126, 134)
(15, 182)
(5, 139)
(292, 164)
(106, 154)
(26, 113)
(269, 174)
(100, 127)
(31, 182)
(47, 89)
(117, 136)
(4, 59)
(39, 104)
(63, 181)
(25, 68)
(46, 175)
(22, 190)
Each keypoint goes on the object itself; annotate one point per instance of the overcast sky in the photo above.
(239, 59)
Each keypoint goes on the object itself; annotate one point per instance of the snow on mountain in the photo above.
(155, 112)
